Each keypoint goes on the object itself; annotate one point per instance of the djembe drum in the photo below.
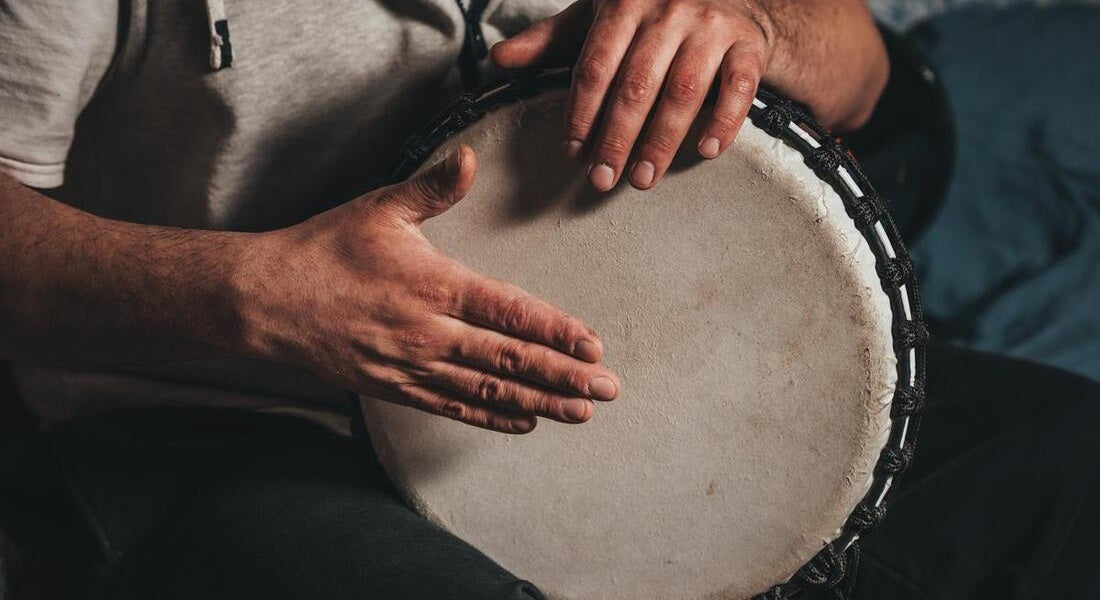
(760, 311)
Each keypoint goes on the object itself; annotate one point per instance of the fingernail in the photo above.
(454, 161)
(709, 147)
(602, 388)
(602, 176)
(587, 350)
(577, 410)
(573, 148)
(642, 173)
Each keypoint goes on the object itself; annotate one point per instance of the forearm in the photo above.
(829, 56)
(76, 289)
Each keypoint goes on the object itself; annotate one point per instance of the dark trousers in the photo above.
(1003, 499)
(1002, 502)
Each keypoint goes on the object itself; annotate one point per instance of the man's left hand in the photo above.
(645, 67)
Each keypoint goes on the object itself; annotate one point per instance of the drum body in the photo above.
(743, 309)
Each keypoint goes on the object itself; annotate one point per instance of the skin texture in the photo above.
(643, 69)
(357, 295)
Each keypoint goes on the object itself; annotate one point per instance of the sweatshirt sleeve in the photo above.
(53, 55)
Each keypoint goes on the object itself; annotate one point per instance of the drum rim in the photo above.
(835, 165)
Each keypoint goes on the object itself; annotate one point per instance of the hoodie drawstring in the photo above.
(474, 48)
(221, 51)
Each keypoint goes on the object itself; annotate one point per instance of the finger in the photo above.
(636, 88)
(607, 42)
(689, 78)
(530, 362)
(434, 190)
(492, 390)
(444, 403)
(740, 74)
(510, 310)
(553, 40)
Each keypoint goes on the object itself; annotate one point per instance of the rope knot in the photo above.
(895, 460)
(825, 569)
(909, 334)
(865, 211)
(894, 273)
(825, 159)
(908, 400)
(867, 516)
(776, 117)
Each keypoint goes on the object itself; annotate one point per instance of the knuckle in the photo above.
(543, 403)
(667, 13)
(489, 389)
(592, 70)
(477, 297)
(554, 405)
(725, 122)
(578, 125)
(574, 380)
(513, 315)
(479, 417)
(617, 12)
(380, 197)
(383, 208)
(661, 143)
(741, 83)
(613, 146)
(635, 88)
(563, 332)
(709, 16)
(426, 190)
(454, 410)
(511, 358)
(464, 348)
(683, 90)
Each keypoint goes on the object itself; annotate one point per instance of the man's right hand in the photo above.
(359, 296)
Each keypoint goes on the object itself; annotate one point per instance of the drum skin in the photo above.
(741, 308)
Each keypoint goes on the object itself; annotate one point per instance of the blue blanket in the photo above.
(1012, 262)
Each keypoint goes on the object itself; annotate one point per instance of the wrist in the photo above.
(262, 297)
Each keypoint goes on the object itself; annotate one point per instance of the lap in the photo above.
(214, 504)
(999, 503)
(1004, 495)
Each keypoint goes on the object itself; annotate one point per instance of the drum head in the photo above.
(741, 307)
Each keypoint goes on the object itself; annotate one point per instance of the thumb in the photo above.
(557, 39)
(436, 189)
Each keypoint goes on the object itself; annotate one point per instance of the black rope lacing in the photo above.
(834, 568)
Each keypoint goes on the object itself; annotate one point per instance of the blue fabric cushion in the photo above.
(1012, 262)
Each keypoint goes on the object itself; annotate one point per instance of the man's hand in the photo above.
(644, 67)
(360, 296)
